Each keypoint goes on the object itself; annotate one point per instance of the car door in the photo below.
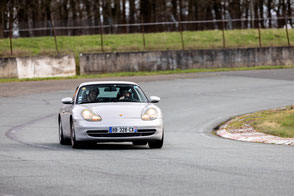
(66, 114)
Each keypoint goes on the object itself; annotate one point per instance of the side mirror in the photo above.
(67, 100)
(154, 99)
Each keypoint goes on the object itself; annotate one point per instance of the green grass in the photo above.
(154, 41)
(128, 74)
(279, 122)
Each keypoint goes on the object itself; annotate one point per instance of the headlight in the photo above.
(90, 116)
(150, 114)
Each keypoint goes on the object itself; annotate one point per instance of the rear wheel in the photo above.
(74, 143)
(139, 143)
(157, 143)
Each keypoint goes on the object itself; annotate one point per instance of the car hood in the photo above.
(118, 110)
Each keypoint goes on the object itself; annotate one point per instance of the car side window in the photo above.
(82, 95)
(140, 94)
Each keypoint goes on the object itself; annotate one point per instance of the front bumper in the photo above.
(151, 130)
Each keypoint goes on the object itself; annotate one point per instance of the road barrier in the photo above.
(185, 59)
(95, 63)
(42, 66)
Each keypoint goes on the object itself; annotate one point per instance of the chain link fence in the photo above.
(56, 28)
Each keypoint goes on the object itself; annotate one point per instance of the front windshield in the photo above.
(102, 93)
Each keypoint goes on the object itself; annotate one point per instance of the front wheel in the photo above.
(74, 143)
(156, 144)
(62, 139)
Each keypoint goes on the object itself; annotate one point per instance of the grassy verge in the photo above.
(127, 74)
(279, 122)
(154, 41)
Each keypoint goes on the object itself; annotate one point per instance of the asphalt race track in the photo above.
(192, 162)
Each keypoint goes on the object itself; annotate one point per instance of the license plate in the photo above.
(122, 130)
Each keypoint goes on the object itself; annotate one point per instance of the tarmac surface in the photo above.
(193, 161)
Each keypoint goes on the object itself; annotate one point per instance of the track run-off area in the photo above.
(193, 161)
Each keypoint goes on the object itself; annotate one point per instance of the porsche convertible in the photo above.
(110, 112)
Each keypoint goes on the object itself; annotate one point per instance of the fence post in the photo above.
(259, 35)
(10, 36)
(54, 33)
(287, 33)
(223, 32)
(223, 4)
(181, 32)
(143, 32)
(101, 35)
(10, 28)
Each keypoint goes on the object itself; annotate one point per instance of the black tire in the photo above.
(139, 143)
(62, 139)
(74, 143)
(157, 143)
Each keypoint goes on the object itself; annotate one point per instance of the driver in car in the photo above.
(125, 95)
(92, 96)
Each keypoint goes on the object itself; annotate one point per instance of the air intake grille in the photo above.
(104, 133)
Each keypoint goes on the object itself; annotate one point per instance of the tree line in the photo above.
(30, 14)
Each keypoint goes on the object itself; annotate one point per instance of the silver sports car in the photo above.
(110, 112)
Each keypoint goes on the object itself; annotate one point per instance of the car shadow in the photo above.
(115, 146)
(98, 146)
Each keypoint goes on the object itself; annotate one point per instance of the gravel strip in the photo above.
(248, 134)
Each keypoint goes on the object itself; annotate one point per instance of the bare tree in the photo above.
(28, 14)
